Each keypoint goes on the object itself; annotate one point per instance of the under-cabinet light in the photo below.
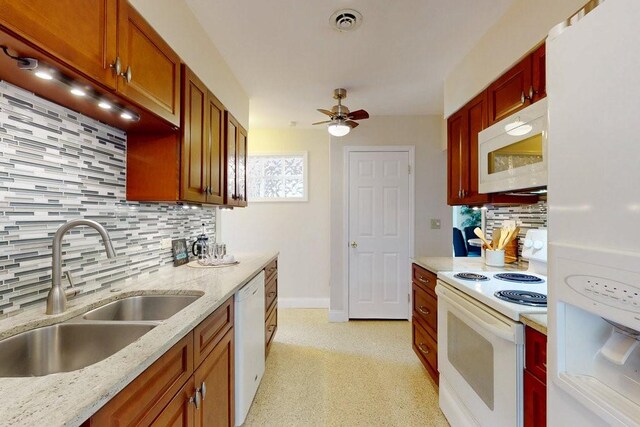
(77, 91)
(126, 115)
(104, 105)
(44, 74)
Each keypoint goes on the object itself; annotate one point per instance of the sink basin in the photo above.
(140, 308)
(64, 347)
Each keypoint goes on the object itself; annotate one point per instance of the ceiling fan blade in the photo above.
(352, 124)
(358, 115)
(327, 112)
(320, 123)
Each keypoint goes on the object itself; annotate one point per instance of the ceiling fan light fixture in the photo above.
(338, 128)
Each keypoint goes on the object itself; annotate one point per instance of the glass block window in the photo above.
(277, 177)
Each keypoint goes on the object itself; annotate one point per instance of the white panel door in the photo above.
(378, 235)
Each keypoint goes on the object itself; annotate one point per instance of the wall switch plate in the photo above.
(165, 244)
(435, 224)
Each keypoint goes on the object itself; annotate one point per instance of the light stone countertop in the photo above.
(458, 264)
(70, 398)
(535, 321)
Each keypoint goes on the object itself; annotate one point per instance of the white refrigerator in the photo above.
(593, 86)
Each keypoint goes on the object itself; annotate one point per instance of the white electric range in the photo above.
(481, 342)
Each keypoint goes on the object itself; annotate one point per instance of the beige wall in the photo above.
(178, 26)
(525, 24)
(299, 230)
(422, 132)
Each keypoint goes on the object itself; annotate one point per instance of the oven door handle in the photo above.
(476, 316)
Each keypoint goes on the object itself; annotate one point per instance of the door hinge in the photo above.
(408, 297)
(409, 167)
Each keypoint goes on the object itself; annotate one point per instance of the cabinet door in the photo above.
(216, 150)
(539, 70)
(195, 139)
(81, 33)
(154, 82)
(241, 174)
(180, 411)
(216, 376)
(231, 161)
(476, 112)
(456, 160)
(511, 92)
(535, 401)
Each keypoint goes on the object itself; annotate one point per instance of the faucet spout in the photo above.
(57, 300)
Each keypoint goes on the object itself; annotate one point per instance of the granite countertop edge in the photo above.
(70, 398)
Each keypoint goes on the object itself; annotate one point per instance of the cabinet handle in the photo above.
(203, 390)
(271, 294)
(424, 310)
(464, 193)
(206, 190)
(522, 98)
(271, 328)
(531, 93)
(423, 348)
(127, 74)
(116, 66)
(423, 280)
(196, 400)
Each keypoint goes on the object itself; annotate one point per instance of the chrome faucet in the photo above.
(57, 298)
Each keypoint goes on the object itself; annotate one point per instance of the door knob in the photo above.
(354, 245)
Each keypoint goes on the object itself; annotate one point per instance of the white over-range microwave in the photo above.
(512, 153)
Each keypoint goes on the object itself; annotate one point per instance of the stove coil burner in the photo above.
(518, 278)
(533, 299)
(471, 276)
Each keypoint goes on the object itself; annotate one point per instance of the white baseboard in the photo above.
(338, 316)
(303, 302)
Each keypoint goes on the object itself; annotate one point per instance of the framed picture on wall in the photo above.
(180, 252)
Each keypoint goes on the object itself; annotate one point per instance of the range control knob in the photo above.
(528, 243)
(538, 245)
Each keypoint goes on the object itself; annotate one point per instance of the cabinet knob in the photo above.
(127, 74)
(116, 66)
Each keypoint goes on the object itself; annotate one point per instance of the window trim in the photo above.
(305, 177)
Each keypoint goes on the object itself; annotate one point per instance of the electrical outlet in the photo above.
(435, 224)
(165, 244)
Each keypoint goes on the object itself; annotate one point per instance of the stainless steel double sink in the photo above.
(88, 338)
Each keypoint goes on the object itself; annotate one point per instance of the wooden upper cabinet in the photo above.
(476, 112)
(510, 92)
(539, 70)
(150, 74)
(195, 139)
(215, 169)
(80, 33)
(235, 163)
(456, 162)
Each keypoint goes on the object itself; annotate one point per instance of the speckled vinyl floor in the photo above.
(360, 373)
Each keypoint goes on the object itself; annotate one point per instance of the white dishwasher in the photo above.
(249, 344)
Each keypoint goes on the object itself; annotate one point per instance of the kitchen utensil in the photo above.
(495, 237)
(480, 234)
(200, 246)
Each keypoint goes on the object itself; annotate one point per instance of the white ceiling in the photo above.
(289, 59)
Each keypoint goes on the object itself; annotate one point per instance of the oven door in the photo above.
(480, 358)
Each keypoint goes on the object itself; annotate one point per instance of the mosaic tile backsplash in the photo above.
(525, 216)
(57, 165)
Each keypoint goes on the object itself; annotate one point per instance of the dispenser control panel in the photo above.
(606, 291)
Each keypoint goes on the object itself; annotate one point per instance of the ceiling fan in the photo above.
(342, 120)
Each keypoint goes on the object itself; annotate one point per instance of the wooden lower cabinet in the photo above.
(535, 379)
(271, 304)
(214, 378)
(424, 323)
(192, 384)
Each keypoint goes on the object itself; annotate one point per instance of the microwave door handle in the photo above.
(475, 315)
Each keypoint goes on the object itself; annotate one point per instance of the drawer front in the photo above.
(426, 349)
(425, 308)
(211, 330)
(270, 327)
(535, 401)
(424, 278)
(536, 354)
(270, 293)
(144, 399)
(270, 270)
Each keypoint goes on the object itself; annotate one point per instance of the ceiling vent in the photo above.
(346, 20)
